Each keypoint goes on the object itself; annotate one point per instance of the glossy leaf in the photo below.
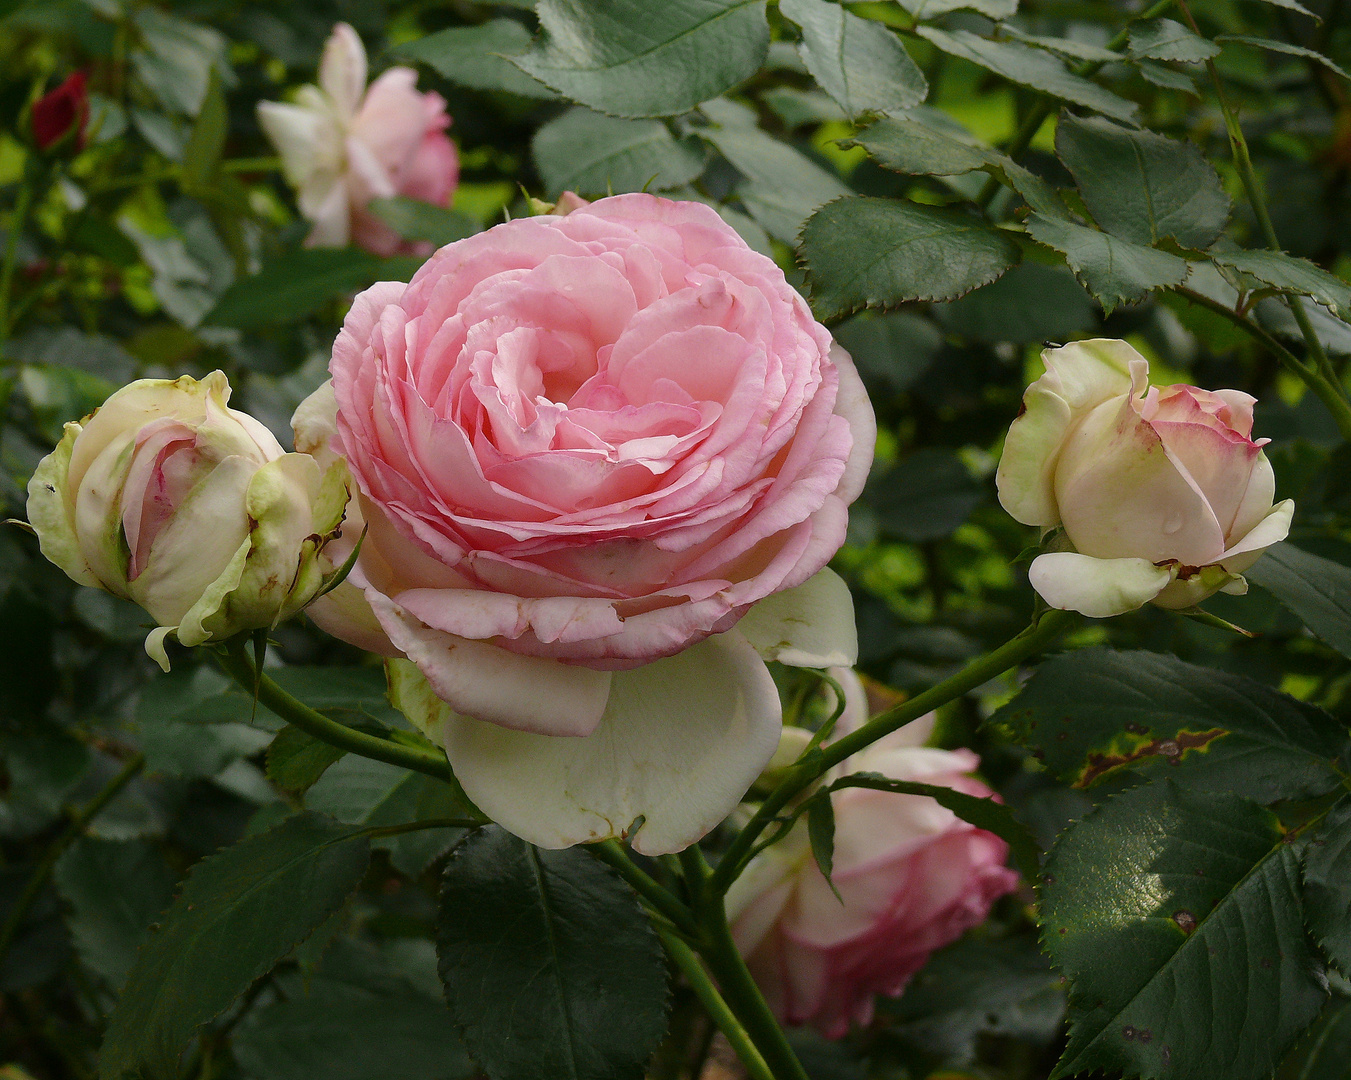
(1164, 39)
(1324, 1051)
(478, 57)
(1327, 885)
(1290, 274)
(1318, 590)
(1113, 270)
(594, 154)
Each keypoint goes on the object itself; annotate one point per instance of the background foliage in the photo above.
(953, 184)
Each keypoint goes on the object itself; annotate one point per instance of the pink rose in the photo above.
(583, 444)
(1161, 491)
(912, 877)
(343, 145)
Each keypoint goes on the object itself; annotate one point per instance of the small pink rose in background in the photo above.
(912, 877)
(344, 144)
(585, 444)
(1163, 494)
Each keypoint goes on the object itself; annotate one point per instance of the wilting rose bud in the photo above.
(1162, 493)
(61, 111)
(167, 497)
(911, 877)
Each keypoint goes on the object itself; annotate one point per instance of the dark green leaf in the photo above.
(176, 59)
(114, 891)
(594, 154)
(926, 495)
(932, 9)
(1094, 712)
(1067, 47)
(1289, 274)
(1113, 270)
(858, 62)
(1168, 78)
(821, 834)
(1318, 590)
(295, 284)
(1293, 5)
(1324, 1051)
(1031, 303)
(295, 760)
(1141, 186)
(633, 58)
(1164, 39)
(550, 967)
(415, 220)
(896, 347)
(983, 813)
(477, 57)
(1176, 915)
(240, 912)
(201, 155)
(1032, 68)
(1327, 885)
(1286, 48)
(867, 252)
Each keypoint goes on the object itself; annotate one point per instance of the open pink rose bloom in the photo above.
(1162, 492)
(603, 459)
(911, 876)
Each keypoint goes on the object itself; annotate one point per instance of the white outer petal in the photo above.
(1097, 588)
(809, 626)
(1270, 530)
(342, 70)
(681, 741)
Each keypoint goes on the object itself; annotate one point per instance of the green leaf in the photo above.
(296, 759)
(416, 220)
(1318, 590)
(866, 252)
(550, 966)
(295, 284)
(479, 57)
(1031, 303)
(1164, 39)
(1324, 1051)
(1285, 47)
(926, 495)
(932, 9)
(858, 62)
(594, 154)
(1294, 5)
(1290, 274)
(821, 834)
(1093, 713)
(1113, 270)
(897, 347)
(176, 58)
(1067, 47)
(782, 186)
(983, 813)
(240, 912)
(1032, 68)
(201, 155)
(1327, 885)
(1168, 78)
(1141, 186)
(114, 891)
(352, 1019)
(633, 58)
(1176, 915)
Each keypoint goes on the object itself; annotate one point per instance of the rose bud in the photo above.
(167, 497)
(911, 878)
(603, 459)
(1162, 494)
(343, 144)
(62, 112)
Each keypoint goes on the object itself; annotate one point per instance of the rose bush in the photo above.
(1161, 491)
(911, 878)
(583, 445)
(167, 497)
(343, 145)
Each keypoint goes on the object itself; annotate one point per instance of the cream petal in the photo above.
(681, 741)
(1272, 529)
(1026, 475)
(809, 626)
(1097, 588)
(342, 70)
(1087, 373)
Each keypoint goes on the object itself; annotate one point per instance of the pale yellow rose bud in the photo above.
(167, 497)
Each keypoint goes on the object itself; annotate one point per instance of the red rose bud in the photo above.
(60, 111)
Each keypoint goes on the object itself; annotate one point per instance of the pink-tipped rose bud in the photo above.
(911, 876)
(167, 497)
(343, 144)
(62, 112)
(1162, 493)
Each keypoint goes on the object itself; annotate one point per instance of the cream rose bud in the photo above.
(1163, 495)
(167, 497)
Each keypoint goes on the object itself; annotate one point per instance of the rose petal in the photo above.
(810, 626)
(1272, 529)
(681, 741)
(1097, 588)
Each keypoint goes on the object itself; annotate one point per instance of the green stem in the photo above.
(683, 957)
(613, 854)
(79, 821)
(1028, 643)
(239, 667)
(1032, 122)
(17, 223)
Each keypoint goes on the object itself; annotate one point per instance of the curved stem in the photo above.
(238, 666)
(613, 854)
(1026, 644)
(79, 821)
(684, 958)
